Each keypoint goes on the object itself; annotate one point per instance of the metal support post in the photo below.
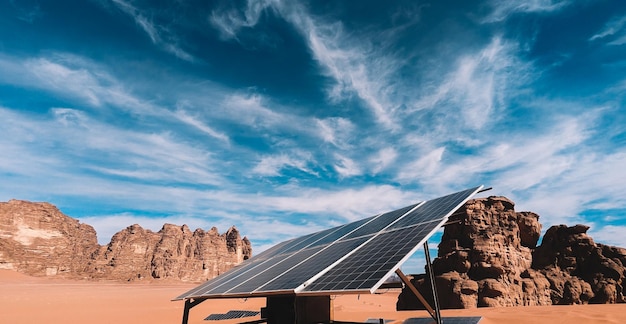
(433, 286)
(417, 294)
(189, 305)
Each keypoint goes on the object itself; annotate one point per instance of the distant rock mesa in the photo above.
(37, 239)
(490, 258)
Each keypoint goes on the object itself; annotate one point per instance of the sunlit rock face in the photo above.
(489, 257)
(37, 239)
(173, 252)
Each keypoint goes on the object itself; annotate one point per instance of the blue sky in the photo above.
(286, 117)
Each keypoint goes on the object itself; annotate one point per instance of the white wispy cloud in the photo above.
(608, 234)
(229, 22)
(338, 131)
(78, 78)
(383, 159)
(195, 121)
(62, 78)
(142, 157)
(614, 30)
(159, 35)
(502, 9)
(251, 110)
(473, 92)
(356, 68)
(27, 12)
(72, 77)
(513, 163)
(428, 165)
(273, 164)
(592, 182)
(346, 167)
(350, 204)
(261, 114)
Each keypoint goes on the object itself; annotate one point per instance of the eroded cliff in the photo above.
(37, 239)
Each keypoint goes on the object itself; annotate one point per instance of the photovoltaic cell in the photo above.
(229, 277)
(230, 315)
(308, 239)
(435, 209)
(356, 256)
(232, 274)
(274, 250)
(380, 222)
(278, 268)
(370, 263)
(341, 232)
(306, 270)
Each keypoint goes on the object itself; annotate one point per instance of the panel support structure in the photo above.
(189, 305)
(417, 294)
(433, 286)
(435, 312)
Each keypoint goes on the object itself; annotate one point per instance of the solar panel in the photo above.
(353, 257)
(380, 222)
(434, 210)
(277, 269)
(368, 267)
(363, 269)
(231, 314)
(294, 278)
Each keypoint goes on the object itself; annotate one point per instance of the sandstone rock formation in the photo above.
(173, 252)
(37, 239)
(489, 257)
(579, 270)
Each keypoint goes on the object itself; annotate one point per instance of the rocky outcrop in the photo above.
(173, 252)
(37, 239)
(488, 257)
(579, 270)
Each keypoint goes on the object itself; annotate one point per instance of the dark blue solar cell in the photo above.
(274, 250)
(434, 210)
(272, 271)
(342, 231)
(368, 265)
(306, 270)
(379, 222)
(216, 285)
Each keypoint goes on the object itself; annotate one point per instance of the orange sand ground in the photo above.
(25, 299)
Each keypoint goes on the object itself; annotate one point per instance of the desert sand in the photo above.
(25, 299)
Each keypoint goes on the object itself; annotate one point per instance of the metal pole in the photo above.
(432, 284)
(417, 294)
(186, 311)
(189, 305)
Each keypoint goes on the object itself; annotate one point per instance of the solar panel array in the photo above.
(354, 257)
(231, 314)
